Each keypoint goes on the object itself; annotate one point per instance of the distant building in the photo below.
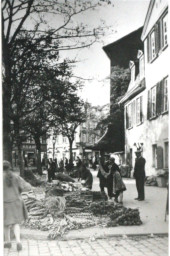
(29, 152)
(86, 136)
(146, 100)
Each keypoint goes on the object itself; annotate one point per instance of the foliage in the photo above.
(33, 18)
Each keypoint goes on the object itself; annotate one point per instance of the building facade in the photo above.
(146, 100)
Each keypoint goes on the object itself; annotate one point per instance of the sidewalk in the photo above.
(134, 246)
(152, 212)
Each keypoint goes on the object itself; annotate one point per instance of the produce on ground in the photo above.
(64, 177)
(125, 217)
(76, 210)
(32, 179)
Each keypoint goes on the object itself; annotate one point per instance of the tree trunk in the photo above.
(7, 145)
(19, 147)
(38, 147)
(71, 150)
(21, 159)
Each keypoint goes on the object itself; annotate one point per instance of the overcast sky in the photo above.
(124, 17)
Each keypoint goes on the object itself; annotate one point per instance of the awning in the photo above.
(107, 143)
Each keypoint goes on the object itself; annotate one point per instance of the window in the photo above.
(153, 53)
(141, 67)
(165, 30)
(139, 113)
(165, 95)
(154, 155)
(158, 38)
(64, 139)
(129, 116)
(158, 99)
(166, 148)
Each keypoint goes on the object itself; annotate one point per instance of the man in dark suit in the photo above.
(139, 175)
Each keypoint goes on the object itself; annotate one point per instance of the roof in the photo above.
(124, 49)
(122, 39)
(151, 4)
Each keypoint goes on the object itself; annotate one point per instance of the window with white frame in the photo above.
(166, 150)
(153, 101)
(153, 44)
(158, 38)
(165, 94)
(141, 67)
(165, 30)
(129, 116)
(139, 110)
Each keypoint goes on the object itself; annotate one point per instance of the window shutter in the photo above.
(149, 105)
(158, 99)
(127, 118)
(141, 110)
(148, 48)
(162, 95)
(159, 152)
(157, 40)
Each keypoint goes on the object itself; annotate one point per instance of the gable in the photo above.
(155, 10)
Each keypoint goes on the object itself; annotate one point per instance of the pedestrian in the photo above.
(15, 211)
(78, 167)
(139, 175)
(118, 184)
(53, 169)
(49, 170)
(105, 177)
(87, 177)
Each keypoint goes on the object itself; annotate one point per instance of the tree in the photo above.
(73, 116)
(17, 15)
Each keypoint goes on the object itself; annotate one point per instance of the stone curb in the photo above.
(44, 236)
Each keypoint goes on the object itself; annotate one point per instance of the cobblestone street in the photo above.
(116, 246)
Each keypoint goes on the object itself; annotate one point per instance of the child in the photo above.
(14, 209)
(118, 184)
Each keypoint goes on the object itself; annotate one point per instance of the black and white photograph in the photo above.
(85, 128)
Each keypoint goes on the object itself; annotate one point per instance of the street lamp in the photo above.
(53, 146)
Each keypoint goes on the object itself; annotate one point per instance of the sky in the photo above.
(124, 17)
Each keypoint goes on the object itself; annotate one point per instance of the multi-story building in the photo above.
(146, 100)
(119, 53)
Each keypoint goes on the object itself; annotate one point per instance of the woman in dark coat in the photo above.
(14, 209)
